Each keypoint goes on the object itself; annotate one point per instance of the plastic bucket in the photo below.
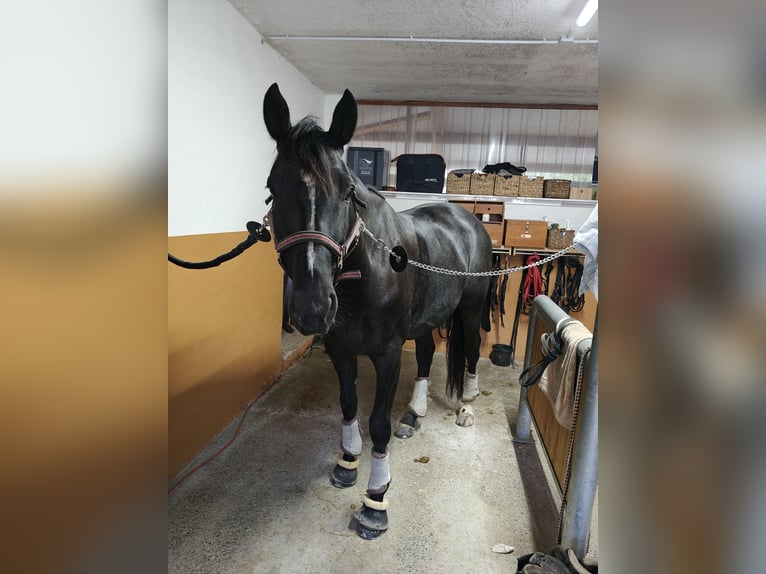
(500, 355)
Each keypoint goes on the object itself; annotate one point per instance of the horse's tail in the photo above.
(455, 355)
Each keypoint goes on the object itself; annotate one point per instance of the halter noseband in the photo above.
(341, 251)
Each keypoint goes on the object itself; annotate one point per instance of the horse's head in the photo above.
(312, 213)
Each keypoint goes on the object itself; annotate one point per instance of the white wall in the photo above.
(551, 210)
(219, 153)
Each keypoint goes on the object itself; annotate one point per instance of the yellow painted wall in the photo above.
(224, 338)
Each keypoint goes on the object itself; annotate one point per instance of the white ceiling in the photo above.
(561, 73)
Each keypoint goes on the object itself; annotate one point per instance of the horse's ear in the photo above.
(276, 114)
(343, 120)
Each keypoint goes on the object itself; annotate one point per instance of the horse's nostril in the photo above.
(332, 307)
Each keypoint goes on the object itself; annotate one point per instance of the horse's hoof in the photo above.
(465, 416)
(408, 425)
(343, 477)
(404, 431)
(370, 523)
(368, 533)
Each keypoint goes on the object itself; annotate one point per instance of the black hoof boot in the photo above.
(343, 477)
(370, 523)
(408, 425)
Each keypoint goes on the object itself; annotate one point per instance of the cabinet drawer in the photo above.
(484, 212)
(491, 208)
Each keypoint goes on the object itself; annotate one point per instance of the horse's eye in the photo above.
(350, 192)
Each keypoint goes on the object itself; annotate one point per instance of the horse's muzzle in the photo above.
(313, 312)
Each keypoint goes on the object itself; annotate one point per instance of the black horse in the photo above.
(329, 231)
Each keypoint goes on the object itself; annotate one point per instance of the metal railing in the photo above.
(576, 522)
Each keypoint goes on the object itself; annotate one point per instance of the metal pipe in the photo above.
(582, 494)
(524, 418)
(544, 41)
(543, 308)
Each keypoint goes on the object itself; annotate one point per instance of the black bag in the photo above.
(504, 168)
(420, 172)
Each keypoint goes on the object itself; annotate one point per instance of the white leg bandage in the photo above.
(380, 473)
(470, 386)
(352, 440)
(419, 402)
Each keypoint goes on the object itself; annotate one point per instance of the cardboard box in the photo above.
(525, 233)
(581, 193)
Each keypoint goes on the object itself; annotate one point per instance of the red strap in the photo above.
(533, 281)
(348, 275)
(306, 237)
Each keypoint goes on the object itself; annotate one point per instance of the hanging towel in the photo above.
(558, 380)
(586, 240)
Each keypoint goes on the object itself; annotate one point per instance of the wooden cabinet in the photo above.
(491, 216)
(530, 234)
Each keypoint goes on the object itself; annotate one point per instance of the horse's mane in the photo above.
(309, 145)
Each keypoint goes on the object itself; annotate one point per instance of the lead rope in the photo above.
(570, 448)
(256, 232)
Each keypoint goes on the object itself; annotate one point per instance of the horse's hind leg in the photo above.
(345, 472)
(418, 405)
(470, 313)
(372, 518)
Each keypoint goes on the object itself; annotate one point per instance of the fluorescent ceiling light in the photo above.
(587, 13)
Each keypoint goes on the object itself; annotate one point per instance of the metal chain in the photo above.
(380, 244)
(570, 447)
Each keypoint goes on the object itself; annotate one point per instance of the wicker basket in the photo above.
(459, 183)
(507, 186)
(558, 239)
(482, 183)
(530, 186)
(557, 188)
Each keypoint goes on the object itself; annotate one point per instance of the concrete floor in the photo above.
(266, 504)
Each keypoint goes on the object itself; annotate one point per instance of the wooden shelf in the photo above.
(511, 251)
(543, 201)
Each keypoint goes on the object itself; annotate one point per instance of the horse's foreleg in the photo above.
(345, 472)
(418, 405)
(372, 517)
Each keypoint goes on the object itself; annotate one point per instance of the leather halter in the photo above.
(341, 251)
